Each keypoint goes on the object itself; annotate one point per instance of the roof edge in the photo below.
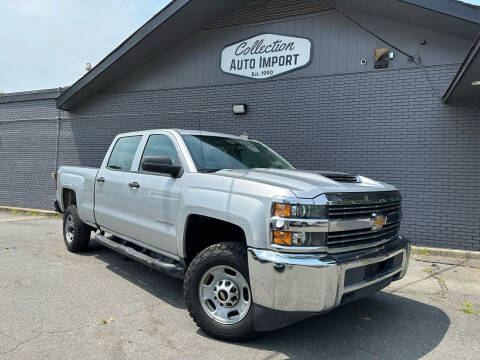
(454, 8)
(164, 14)
(23, 96)
(68, 99)
(471, 55)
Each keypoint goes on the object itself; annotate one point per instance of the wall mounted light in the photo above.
(476, 83)
(239, 109)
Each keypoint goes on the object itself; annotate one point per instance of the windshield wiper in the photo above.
(211, 170)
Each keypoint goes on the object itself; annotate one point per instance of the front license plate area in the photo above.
(370, 272)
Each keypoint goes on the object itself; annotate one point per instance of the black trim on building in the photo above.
(23, 96)
(454, 8)
(461, 87)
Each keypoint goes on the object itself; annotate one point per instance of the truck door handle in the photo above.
(101, 180)
(134, 185)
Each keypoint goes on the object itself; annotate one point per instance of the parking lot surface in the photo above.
(100, 305)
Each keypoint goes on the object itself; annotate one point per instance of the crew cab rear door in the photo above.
(114, 209)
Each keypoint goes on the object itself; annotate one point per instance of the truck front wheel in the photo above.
(76, 234)
(217, 292)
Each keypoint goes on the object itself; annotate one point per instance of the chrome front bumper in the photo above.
(320, 282)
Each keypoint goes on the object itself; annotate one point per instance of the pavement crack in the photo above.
(441, 282)
(140, 310)
(432, 274)
(55, 332)
(13, 282)
(21, 344)
(40, 333)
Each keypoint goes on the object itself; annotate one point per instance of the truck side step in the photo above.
(173, 269)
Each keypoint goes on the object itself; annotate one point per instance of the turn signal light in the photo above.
(282, 238)
(282, 210)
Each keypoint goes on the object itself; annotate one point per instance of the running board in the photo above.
(176, 269)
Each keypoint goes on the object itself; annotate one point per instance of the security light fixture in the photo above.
(239, 109)
(476, 83)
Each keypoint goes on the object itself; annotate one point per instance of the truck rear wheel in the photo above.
(217, 292)
(76, 234)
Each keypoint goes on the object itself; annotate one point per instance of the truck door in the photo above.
(138, 205)
(157, 197)
(114, 209)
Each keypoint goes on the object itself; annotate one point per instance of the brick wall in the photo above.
(389, 125)
(27, 153)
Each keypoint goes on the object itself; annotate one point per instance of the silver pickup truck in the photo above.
(258, 243)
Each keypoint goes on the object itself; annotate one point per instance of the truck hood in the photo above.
(306, 183)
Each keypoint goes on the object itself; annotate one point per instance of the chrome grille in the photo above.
(362, 210)
(349, 210)
(346, 240)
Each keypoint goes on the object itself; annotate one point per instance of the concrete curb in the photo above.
(29, 211)
(461, 254)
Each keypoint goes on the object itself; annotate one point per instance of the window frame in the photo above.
(134, 155)
(187, 149)
(175, 145)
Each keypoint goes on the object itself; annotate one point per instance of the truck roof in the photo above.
(181, 132)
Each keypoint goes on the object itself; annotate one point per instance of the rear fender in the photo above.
(84, 194)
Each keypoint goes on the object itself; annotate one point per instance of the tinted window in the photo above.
(161, 145)
(213, 153)
(123, 153)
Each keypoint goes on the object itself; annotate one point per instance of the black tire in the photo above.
(80, 231)
(233, 255)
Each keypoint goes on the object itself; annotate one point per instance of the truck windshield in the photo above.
(214, 153)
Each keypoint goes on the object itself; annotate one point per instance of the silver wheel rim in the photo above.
(224, 294)
(69, 228)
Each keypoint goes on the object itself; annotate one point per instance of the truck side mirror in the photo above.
(162, 165)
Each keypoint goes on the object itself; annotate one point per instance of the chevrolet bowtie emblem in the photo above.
(378, 221)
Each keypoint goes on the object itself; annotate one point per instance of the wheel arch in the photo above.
(201, 231)
(69, 197)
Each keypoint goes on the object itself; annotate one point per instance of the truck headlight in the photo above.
(297, 225)
(299, 239)
(299, 211)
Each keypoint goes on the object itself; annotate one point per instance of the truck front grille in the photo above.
(362, 210)
(363, 238)
(353, 215)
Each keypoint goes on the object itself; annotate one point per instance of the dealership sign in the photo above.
(266, 55)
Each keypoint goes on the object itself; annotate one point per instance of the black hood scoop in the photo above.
(336, 176)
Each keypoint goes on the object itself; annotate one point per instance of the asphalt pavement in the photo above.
(100, 305)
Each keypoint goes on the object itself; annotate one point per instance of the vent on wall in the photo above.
(266, 10)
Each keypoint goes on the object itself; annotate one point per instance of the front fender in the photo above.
(246, 212)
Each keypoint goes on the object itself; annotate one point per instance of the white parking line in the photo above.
(23, 218)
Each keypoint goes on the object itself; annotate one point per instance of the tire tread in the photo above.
(225, 250)
(81, 232)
